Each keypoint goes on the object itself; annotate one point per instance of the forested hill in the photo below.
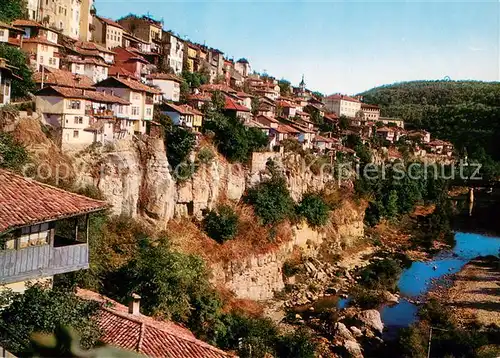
(466, 113)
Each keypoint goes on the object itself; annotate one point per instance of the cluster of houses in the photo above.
(102, 85)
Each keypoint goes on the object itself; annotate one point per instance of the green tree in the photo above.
(221, 224)
(11, 10)
(285, 87)
(391, 207)
(20, 87)
(13, 156)
(43, 310)
(314, 209)
(271, 200)
(179, 143)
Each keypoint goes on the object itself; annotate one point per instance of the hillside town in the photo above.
(108, 94)
(99, 80)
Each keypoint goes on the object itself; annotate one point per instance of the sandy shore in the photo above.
(475, 293)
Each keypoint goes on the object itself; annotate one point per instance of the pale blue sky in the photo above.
(339, 46)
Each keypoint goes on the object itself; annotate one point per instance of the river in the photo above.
(418, 278)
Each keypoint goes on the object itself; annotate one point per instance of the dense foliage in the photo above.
(11, 10)
(463, 112)
(235, 141)
(179, 143)
(314, 209)
(43, 310)
(13, 156)
(271, 200)
(221, 224)
(20, 87)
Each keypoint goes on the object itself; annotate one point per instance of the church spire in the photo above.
(302, 84)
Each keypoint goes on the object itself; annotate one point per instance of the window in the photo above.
(75, 134)
(41, 59)
(2, 33)
(148, 111)
(78, 120)
(135, 111)
(34, 235)
(72, 104)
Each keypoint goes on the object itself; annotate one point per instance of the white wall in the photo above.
(170, 89)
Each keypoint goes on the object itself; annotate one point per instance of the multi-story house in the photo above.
(10, 35)
(140, 96)
(40, 44)
(108, 32)
(145, 28)
(129, 62)
(67, 16)
(32, 8)
(61, 78)
(96, 69)
(342, 105)
(184, 115)
(398, 122)
(81, 116)
(87, 49)
(173, 52)
(6, 76)
(371, 111)
(242, 66)
(168, 84)
(216, 64)
(191, 56)
(236, 110)
(287, 109)
(87, 20)
(43, 230)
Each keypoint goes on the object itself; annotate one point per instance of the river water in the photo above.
(418, 278)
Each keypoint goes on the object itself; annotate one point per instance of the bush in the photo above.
(17, 59)
(367, 298)
(205, 155)
(314, 209)
(13, 156)
(381, 274)
(43, 310)
(271, 200)
(179, 143)
(221, 224)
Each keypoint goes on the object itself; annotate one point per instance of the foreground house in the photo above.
(125, 327)
(43, 231)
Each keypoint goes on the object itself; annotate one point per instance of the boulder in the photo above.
(356, 332)
(344, 338)
(371, 319)
(390, 298)
(354, 349)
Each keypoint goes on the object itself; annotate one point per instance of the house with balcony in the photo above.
(6, 76)
(10, 35)
(82, 117)
(168, 84)
(184, 115)
(140, 97)
(94, 68)
(129, 61)
(40, 44)
(43, 231)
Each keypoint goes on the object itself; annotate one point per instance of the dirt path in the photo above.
(475, 294)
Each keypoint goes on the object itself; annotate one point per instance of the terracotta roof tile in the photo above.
(62, 78)
(232, 105)
(164, 76)
(40, 40)
(203, 96)
(25, 201)
(27, 23)
(217, 87)
(110, 22)
(343, 98)
(146, 335)
(90, 95)
(127, 82)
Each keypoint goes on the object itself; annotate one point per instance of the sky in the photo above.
(345, 47)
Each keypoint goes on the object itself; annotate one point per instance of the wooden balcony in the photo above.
(99, 112)
(41, 261)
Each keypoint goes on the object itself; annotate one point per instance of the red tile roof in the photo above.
(127, 82)
(25, 202)
(40, 40)
(182, 108)
(283, 128)
(343, 98)
(369, 106)
(27, 23)
(90, 95)
(92, 46)
(164, 76)
(285, 104)
(232, 105)
(87, 61)
(266, 118)
(146, 335)
(202, 96)
(110, 22)
(62, 78)
(217, 87)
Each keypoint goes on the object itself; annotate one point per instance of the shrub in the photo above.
(314, 209)
(43, 310)
(179, 143)
(299, 344)
(381, 274)
(366, 298)
(12, 155)
(271, 200)
(205, 155)
(17, 59)
(221, 224)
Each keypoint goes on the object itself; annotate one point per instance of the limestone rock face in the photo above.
(371, 319)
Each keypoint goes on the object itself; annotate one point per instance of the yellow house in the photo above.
(197, 118)
(192, 54)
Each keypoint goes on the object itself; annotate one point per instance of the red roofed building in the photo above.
(129, 60)
(342, 105)
(35, 246)
(108, 32)
(168, 84)
(127, 328)
(198, 100)
(184, 115)
(371, 111)
(234, 109)
(61, 78)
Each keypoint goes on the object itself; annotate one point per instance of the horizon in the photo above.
(377, 43)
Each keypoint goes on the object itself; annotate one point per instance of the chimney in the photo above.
(134, 304)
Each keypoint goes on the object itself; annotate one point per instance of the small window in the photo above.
(72, 104)
(2, 33)
(75, 134)
(78, 120)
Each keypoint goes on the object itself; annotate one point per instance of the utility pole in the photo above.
(430, 339)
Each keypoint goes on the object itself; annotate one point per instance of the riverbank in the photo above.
(474, 293)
